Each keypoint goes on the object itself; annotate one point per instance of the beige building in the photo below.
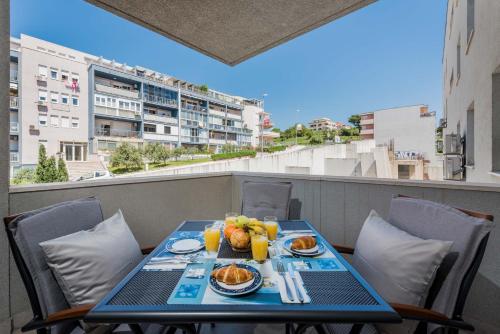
(471, 91)
(54, 100)
(259, 122)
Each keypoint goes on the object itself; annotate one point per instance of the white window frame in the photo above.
(65, 96)
(42, 120)
(52, 71)
(65, 73)
(73, 97)
(42, 70)
(54, 97)
(42, 95)
(110, 102)
(75, 120)
(65, 122)
(52, 117)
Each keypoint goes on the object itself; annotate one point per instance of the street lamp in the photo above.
(262, 125)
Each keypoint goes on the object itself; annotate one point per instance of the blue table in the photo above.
(338, 293)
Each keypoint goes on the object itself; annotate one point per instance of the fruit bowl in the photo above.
(239, 232)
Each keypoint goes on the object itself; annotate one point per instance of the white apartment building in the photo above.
(471, 91)
(81, 107)
(326, 124)
(52, 100)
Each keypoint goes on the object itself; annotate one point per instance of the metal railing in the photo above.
(216, 127)
(193, 108)
(160, 100)
(14, 127)
(117, 133)
(14, 101)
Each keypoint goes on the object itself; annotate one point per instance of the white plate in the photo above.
(186, 245)
(236, 286)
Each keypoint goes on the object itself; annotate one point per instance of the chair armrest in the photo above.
(412, 312)
(343, 249)
(147, 249)
(74, 313)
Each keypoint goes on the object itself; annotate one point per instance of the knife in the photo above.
(295, 283)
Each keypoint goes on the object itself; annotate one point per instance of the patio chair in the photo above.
(469, 231)
(260, 199)
(51, 311)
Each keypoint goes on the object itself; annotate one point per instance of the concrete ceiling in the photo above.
(231, 31)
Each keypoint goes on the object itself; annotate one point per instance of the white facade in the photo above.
(471, 85)
(254, 118)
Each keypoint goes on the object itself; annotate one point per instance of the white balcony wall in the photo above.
(160, 137)
(117, 91)
(217, 112)
(161, 119)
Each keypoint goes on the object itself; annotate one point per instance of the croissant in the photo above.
(232, 275)
(305, 242)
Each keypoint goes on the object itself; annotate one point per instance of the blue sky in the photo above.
(385, 55)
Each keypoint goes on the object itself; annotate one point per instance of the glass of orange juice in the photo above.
(271, 224)
(212, 238)
(230, 218)
(259, 247)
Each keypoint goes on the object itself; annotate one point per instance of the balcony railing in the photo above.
(100, 87)
(117, 112)
(160, 100)
(193, 108)
(160, 118)
(14, 102)
(193, 140)
(14, 127)
(117, 133)
(14, 156)
(216, 127)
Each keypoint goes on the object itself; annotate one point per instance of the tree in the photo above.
(24, 176)
(192, 151)
(156, 153)
(51, 172)
(277, 130)
(178, 152)
(316, 138)
(204, 88)
(355, 120)
(41, 166)
(126, 155)
(62, 171)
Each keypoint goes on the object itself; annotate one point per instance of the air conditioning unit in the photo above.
(452, 144)
(453, 168)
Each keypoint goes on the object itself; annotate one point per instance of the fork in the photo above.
(281, 272)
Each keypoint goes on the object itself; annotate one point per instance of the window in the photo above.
(42, 95)
(75, 78)
(53, 74)
(150, 128)
(74, 100)
(54, 120)
(111, 102)
(64, 75)
(458, 58)
(54, 97)
(75, 122)
(42, 120)
(100, 100)
(470, 19)
(42, 71)
(64, 122)
(469, 137)
(64, 99)
(167, 130)
(124, 105)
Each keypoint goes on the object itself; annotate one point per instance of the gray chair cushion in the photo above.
(430, 220)
(88, 264)
(31, 228)
(400, 266)
(261, 199)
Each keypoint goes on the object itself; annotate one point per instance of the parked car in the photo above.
(96, 175)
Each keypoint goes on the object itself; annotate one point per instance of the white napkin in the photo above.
(282, 288)
(165, 264)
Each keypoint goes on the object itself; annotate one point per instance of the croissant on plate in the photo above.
(232, 275)
(305, 242)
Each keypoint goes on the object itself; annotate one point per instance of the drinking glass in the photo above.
(230, 218)
(212, 238)
(271, 224)
(259, 247)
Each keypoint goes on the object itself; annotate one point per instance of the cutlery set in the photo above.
(282, 272)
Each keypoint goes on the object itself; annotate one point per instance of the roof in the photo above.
(231, 31)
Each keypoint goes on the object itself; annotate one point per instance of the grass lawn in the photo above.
(152, 166)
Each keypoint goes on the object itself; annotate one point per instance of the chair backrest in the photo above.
(469, 232)
(25, 231)
(260, 199)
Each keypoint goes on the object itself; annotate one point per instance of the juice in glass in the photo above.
(259, 247)
(212, 238)
(271, 224)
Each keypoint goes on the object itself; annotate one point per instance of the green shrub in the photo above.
(24, 176)
(273, 149)
(127, 156)
(232, 155)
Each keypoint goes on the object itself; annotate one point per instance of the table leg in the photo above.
(356, 329)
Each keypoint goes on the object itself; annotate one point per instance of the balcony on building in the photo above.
(14, 127)
(193, 140)
(13, 76)
(159, 115)
(367, 118)
(160, 100)
(111, 84)
(122, 133)
(193, 107)
(14, 157)
(14, 102)
(233, 113)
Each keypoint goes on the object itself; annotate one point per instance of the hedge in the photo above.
(232, 155)
(273, 149)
